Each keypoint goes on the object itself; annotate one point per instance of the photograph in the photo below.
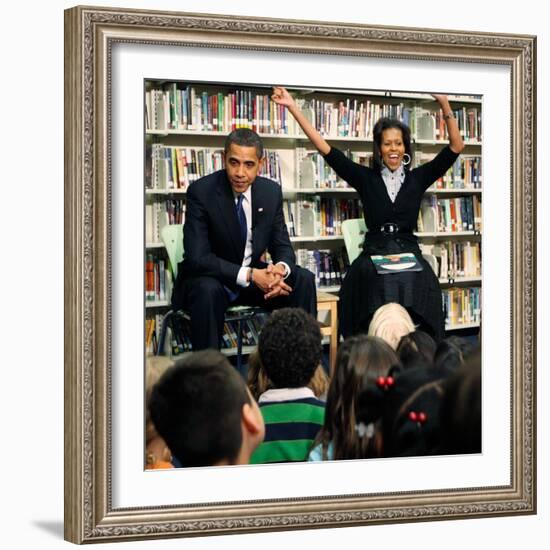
(404, 327)
(275, 284)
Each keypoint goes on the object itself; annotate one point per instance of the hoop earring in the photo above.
(403, 161)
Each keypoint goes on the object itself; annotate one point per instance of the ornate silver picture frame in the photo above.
(90, 35)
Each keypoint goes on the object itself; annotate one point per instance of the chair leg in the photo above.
(163, 330)
(239, 345)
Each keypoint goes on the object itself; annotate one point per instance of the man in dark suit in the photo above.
(233, 218)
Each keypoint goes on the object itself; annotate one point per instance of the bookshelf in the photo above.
(186, 124)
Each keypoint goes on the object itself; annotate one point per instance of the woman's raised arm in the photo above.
(455, 139)
(282, 97)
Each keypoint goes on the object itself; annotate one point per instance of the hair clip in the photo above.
(418, 417)
(385, 382)
(363, 429)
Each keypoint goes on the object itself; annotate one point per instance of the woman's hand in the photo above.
(442, 99)
(455, 138)
(282, 97)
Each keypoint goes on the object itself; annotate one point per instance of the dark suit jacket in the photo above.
(211, 231)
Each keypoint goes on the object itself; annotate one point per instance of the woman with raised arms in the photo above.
(391, 194)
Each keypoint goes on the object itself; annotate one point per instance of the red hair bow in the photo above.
(385, 382)
(418, 417)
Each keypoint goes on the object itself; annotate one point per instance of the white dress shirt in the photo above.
(393, 180)
(247, 258)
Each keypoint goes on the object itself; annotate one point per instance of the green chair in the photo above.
(354, 234)
(172, 238)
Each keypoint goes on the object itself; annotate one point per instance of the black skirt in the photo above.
(364, 290)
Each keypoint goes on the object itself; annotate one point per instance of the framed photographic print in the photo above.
(110, 57)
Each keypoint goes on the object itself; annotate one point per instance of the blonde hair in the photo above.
(391, 322)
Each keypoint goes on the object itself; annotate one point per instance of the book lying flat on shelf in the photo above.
(395, 263)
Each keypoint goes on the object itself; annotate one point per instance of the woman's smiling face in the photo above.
(392, 148)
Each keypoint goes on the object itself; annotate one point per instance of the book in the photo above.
(395, 263)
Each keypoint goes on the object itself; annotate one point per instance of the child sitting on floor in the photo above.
(203, 410)
(290, 350)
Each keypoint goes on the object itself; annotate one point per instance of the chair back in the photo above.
(354, 234)
(172, 238)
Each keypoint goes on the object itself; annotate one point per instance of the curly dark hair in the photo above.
(290, 347)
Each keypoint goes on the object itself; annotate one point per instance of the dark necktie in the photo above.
(242, 218)
(243, 231)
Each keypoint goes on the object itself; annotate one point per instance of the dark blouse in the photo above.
(363, 291)
(377, 205)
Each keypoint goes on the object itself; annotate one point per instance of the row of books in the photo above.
(153, 326)
(315, 217)
(465, 173)
(174, 108)
(356, 118)
(180, 333)
(450, 215)
(178, 167)
(462, 306)
(323, 216)
(158, 284)
(350, 117)
(319, 216)
(455, 259)
(251, 329)
(468, 120)
(175, 211)
(328, 266)
(314, 171)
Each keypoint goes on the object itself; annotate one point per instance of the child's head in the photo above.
(204, 411)
(411, 413)
(390, 322)
(155, 367)
(258, 382)
(290, 347)
(416, 349)
(360, 361)
(461, 408)
(451, 353)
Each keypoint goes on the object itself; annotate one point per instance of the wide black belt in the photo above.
(389, 229)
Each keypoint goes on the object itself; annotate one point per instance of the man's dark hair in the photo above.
(290, 347)
(387, 124)
(196, 407)
(245, 138)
